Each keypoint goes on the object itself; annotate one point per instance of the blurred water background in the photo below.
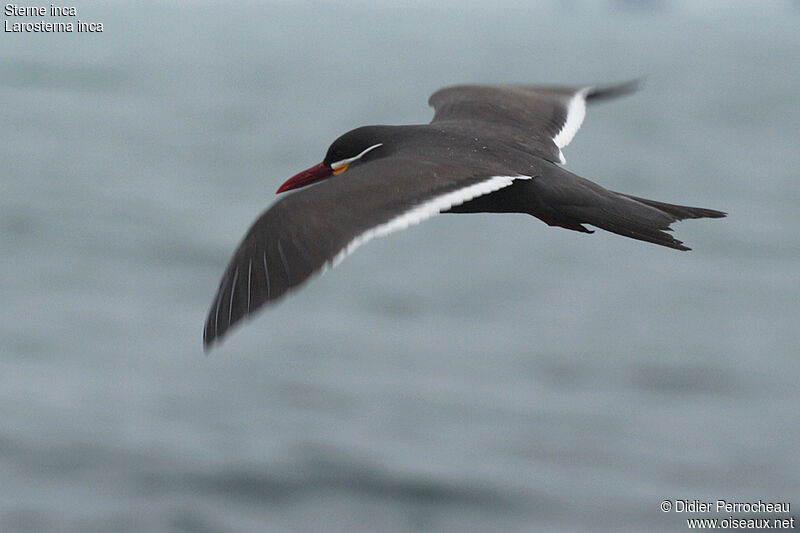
(475, 373)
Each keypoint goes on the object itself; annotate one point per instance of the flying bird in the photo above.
(488, 149)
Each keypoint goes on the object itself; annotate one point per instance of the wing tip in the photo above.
(606, 92)
(713, 213)
(209, 339)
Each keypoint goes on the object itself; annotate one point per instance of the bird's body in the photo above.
(488, 149)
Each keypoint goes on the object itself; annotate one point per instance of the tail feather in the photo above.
(680, 212)
(569, 200)
(646, 227)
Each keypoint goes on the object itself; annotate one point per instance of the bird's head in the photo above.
(350, 149)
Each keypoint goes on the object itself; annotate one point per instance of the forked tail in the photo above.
(564, 199)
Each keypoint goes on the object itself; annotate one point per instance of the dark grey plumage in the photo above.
(487, 149)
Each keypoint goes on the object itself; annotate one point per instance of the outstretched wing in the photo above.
(316, 227)
(547, 118)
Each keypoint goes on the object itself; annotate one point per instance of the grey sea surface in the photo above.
(474, 373)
